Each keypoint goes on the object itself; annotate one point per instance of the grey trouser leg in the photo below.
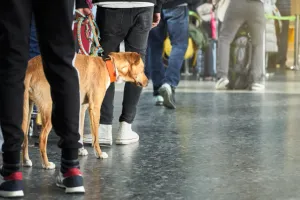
(239, 12)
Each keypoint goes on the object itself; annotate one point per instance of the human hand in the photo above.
(156, 19)
(87, 12)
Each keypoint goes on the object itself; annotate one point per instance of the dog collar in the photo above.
(111, 69)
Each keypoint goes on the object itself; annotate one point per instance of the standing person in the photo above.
(174, 23)
(284, 6)
(54, 26)
(239, 12)
(128, 21)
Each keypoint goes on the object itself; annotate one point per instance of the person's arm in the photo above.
(156, 14)
(158, 6)
(83, 7)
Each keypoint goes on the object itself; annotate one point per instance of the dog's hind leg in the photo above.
(47, 126)
(82, 151)
(27, 110)
(95, 102)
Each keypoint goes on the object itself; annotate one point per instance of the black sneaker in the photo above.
(168, 94)
(72, 181)
(12, 185)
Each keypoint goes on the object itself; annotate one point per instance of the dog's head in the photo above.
(130, 67)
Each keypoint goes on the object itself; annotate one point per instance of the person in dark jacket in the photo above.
(284, 7)
(174, 23)
(54, 21)
(128, 21)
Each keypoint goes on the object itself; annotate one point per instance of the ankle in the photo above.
(69, 154)
(9, 169)
(11, 157)
(66, 165)
(69, 159)
(15, 176)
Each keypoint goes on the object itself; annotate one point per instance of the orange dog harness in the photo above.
(111, 70)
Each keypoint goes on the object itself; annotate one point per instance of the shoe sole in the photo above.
(159, 103)
(167, 98)
(72, 190)
(103, 142)
(258, 89)
(222, 86)
(10, 194)
(128, 141)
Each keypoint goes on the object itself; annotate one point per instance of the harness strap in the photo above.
(111, 69)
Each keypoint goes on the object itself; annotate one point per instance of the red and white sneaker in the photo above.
(72, 181)
(12, 185)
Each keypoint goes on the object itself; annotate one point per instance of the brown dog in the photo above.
(95, 77)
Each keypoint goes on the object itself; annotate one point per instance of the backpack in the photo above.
(240, 60)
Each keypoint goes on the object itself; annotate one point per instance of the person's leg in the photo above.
(58, 52)
(256, 22)
(155, 49)
(15, 17)
(34, 49)
(233, 19)
(176, 20)
(283, 44)
(177, 25)
(112, 27)
(135, 41)
(112, 33)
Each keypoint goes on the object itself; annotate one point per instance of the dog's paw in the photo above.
(27, 163)
(102, 156)
(82, 152)
(50, 165)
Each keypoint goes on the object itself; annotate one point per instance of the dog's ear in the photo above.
(135, 58)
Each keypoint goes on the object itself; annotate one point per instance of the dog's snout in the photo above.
(142, 80)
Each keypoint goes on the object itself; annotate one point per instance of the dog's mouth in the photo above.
(141, 81)
(139, 84)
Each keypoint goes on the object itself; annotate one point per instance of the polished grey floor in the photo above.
(214, 146)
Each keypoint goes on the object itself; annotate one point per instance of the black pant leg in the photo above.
(15, 18)
(136, 41)
(54, 19)
(107, 108)
(112, 33)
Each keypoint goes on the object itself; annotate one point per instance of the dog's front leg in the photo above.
(95, 102)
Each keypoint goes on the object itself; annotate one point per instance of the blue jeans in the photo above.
(174, 23)
(34, 49)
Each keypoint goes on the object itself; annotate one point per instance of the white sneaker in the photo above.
(159, 100)
(222, 84)
(257, 87)
(126, 135)
(105, 135)
(168, 95)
